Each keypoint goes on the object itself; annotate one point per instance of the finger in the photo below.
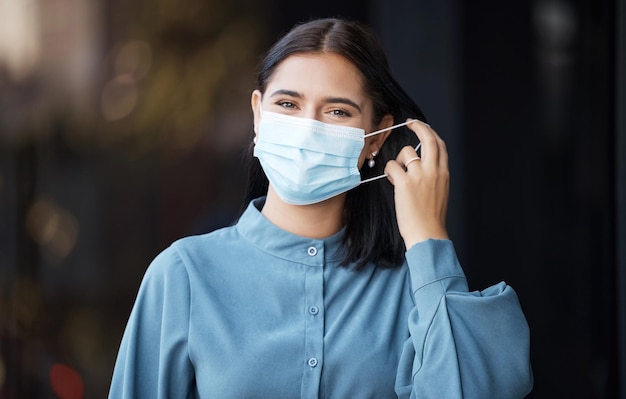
(395, 172)
(406, 165)
(429, 142)
(443, 155)
(406, 156)
(443, 151)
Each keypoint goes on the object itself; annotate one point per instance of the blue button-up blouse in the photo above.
(252, 311)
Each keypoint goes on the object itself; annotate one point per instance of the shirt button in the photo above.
(312, 362)
(312, 251)
(314, 310)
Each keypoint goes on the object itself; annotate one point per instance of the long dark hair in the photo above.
(371, 228)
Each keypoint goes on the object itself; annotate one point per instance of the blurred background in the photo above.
(123, 127)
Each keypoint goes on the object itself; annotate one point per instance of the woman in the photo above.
(334, 283)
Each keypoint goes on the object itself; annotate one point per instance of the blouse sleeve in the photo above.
(153, 360)
(463, 344)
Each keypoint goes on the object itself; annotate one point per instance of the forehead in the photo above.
(328, 73)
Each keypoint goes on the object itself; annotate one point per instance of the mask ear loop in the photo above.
(388, 128)
(417, 147)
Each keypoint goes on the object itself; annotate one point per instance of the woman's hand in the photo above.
(421, 187)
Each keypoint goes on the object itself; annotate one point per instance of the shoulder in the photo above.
(189, 254)
(179, 265)
(200, 247)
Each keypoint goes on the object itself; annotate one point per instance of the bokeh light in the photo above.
(66, 382)
(119, 97)
(134, 58)
(20, 44)
(55, 229)
(81, 336)
(28, 304)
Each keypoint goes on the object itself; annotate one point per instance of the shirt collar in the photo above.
(258, 230)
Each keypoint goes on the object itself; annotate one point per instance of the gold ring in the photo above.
(406, 165)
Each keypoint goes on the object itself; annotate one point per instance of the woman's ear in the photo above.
(375, 142)
(255, 102)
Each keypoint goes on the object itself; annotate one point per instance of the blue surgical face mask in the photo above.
(308, 161)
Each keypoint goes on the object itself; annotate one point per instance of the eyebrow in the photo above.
(331, 100)
(342, 100)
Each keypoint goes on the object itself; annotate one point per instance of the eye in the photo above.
(340, 113)
(286, 104)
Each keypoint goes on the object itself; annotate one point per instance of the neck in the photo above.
(319, 220)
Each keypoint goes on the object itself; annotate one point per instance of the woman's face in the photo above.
(322, 86)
